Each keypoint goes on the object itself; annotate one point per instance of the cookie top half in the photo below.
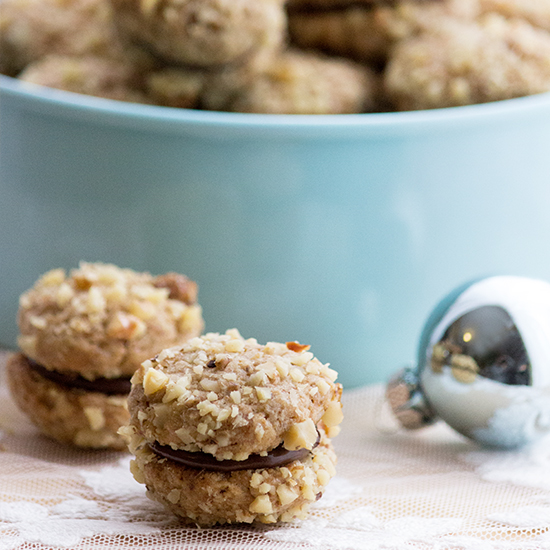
(230, 397)
(103, 321)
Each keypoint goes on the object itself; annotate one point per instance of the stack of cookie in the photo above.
(83, 335)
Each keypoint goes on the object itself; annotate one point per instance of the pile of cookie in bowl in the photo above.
(282, 56)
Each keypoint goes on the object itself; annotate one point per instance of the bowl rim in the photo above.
(114, 112)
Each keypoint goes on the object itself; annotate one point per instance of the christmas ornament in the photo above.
(483, 364)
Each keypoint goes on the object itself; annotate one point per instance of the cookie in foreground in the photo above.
(83, 335)
(225, 430)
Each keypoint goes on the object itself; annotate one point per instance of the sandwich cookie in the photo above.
(83, 335)
(225, 430)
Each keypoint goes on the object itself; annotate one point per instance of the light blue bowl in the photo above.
(339, 231)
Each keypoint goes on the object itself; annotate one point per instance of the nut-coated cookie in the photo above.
(463, 63)
(367, 31)
(357, 32)
(84, 334)
(176, 87)
(294, 82)
(91, 75)
(202, 33)
(32, 29)
(226, 430)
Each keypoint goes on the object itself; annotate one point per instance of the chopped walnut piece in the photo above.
(82, 281)
(333, 415)
(173, 496)
(286, 494)
(64, 294)
(180, 287)
(263, 394)
(125, 326)
(297, 347)
(301, 436)
(37, 321)
(323, 477)
(53, 277)
(234, 346)
(261, 505)
(153, 381)
(95, 417)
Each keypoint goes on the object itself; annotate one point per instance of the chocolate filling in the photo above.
(202, 461)
(314, 6)
(109, 386)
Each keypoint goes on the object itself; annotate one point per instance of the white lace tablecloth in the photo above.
(428, 490)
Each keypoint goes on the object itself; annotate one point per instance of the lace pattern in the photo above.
(426, 490)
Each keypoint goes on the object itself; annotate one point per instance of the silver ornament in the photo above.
(483, 364)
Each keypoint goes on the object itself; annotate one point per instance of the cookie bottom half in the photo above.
(82, 418)
(265, 495)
